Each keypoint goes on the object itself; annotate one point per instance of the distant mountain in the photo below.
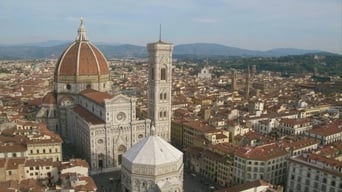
(31, 52)
(211, 49)
(122, 51)
(50, 43)
(289, 51)
(53, 49)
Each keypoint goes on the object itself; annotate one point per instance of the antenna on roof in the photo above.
(159, 32)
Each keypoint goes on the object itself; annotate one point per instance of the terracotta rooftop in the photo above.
(245, 186)
(332, 150)
(330, 129)
(12, 147)
(40, 162)
(320, 162)
(9, 186)
(87, 116)
(49, 98)
(74, 163)
(31, 185)
(300, 143)
(13, 163)
(199, 126)
(261, 153)
(294, 121)
(96, 96)
(212, 155)
(88, 186)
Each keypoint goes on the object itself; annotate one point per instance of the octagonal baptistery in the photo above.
(152, 165)
(82, 66)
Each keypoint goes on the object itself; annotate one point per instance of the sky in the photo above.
(248, 24)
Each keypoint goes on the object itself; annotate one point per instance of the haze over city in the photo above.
(258, 25)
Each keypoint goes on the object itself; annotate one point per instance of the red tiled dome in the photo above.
(81, 58)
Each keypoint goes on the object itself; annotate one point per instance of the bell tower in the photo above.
(159, 87)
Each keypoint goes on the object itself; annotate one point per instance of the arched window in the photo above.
(164, 96)
(164, 113)
(161, 96)
(162, 74)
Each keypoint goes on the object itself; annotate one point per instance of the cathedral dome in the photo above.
(82, 62)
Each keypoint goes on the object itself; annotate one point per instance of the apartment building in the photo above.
(212, 162)
(40, 142)
(177, 133)
(294, 126)
(267, 162)
(327, 134)
(203, 135)
(317, 171)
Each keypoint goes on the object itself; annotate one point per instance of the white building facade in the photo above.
(314, 173)
(105, 127)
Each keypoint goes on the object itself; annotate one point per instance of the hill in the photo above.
(44, 50)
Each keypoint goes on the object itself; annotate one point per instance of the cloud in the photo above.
(73, 19)
(205, 20)
(93, 20)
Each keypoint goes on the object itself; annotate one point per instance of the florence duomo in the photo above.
(232, 96)
(100, 125)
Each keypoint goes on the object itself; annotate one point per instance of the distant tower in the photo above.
(233, 81)
(248, 76)
(253, 71)
(159, 87)
(315, 71)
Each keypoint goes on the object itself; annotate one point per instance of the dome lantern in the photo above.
(81, 33)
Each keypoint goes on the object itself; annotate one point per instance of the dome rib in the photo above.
(97, 62)
(78, 59)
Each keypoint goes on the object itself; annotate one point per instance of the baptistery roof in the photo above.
(153, 150)
(81, 58)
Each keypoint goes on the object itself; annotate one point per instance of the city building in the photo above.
(213, 163)
(316, 171)
(253, 186)
(327, 134)
(31, 140)
(177, 133)
(45, 174)
(152, 165)
(294, 126)
(267, 162)
(204, 73)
